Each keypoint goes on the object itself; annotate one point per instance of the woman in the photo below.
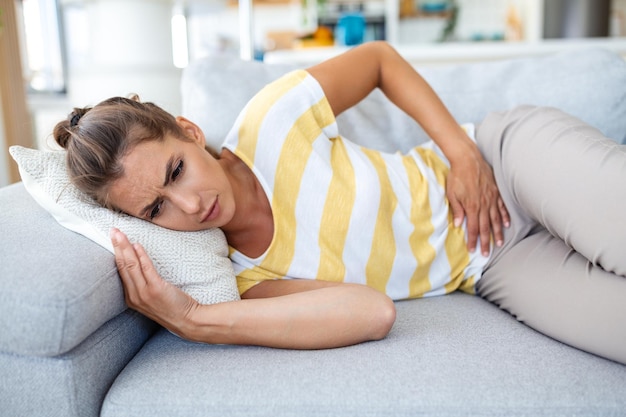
(295, 200)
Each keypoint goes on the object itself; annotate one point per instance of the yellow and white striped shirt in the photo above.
(343, 212)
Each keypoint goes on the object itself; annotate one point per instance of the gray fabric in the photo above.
(56, 287)
(215, 89)
(456, 355)
(73, 384)
(587, 83)
(562, 177)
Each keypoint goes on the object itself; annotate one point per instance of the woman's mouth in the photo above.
(213, 211)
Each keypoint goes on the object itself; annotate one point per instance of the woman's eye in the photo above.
(177, 171)
(155, 211)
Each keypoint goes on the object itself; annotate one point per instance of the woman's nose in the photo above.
(188, 202)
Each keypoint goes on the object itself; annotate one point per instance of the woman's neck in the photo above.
(252, 227)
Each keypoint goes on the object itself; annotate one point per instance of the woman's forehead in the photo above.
(143, 178)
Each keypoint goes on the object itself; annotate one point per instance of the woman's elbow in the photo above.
(384, 318)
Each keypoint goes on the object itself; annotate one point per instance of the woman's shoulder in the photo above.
(285, 105)
(283, 100)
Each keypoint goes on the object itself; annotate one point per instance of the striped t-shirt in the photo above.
(342, 212)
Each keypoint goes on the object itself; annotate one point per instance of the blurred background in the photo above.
(58, 54)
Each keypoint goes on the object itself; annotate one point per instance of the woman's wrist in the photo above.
(210, 323)
(460, 150)
(187, 323)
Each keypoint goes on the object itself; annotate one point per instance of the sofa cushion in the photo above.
(75, 383)
(586, 83)
(196, 262)
(455, 355)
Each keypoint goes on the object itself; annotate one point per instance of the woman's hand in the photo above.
(146, 291)
(473, 195)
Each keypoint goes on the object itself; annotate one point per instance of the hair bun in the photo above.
(74, 120)
(63, 130)
(74, 116)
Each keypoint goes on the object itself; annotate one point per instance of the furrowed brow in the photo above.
(169, 167)
(168, 171)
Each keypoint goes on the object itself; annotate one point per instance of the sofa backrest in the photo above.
(587, 83)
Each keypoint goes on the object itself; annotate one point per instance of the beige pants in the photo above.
(562, 269)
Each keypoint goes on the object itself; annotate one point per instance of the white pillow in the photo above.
(196, 262)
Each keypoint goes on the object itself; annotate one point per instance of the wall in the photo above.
(4, 170)
(216, 29)
(114, 48)
(16, 126)
(477, 20)
(118, 47)
(618, 18)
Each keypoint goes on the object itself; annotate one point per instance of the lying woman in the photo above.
(324, 234)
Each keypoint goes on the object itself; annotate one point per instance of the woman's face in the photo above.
(175, 184)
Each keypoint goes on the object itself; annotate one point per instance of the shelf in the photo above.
(436, 54)
(409, 9)
(418, 14)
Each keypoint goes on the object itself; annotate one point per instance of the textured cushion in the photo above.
(586, 83)
(455, 355)
(196, 262)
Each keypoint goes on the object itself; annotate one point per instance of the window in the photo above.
(43, 57)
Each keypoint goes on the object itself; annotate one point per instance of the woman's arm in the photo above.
(472, 191)
(298, 314)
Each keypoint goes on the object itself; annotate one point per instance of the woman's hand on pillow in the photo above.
(145, 290)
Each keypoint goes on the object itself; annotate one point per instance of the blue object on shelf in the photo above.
(435, 6)
(350, 29)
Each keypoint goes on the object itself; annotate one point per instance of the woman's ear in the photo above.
(192, 130)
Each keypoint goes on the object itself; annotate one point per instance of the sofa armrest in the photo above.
(56, 287)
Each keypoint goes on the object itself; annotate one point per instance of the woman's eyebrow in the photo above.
(169, 166)
(168, 171)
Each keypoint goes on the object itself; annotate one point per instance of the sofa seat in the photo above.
(455, 355)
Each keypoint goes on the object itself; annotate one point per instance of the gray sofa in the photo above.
(70, 347)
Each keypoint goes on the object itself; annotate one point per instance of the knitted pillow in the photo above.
(196, 262)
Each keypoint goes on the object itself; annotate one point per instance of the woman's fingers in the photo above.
(145, 290)
(494, 216)
(485, 230)
(139, 277)
(499, 220)
(127, 263)
(475, 196)
(496, 224)
(473, 223)
(458, 213)
(504, 212)
(148, 272)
